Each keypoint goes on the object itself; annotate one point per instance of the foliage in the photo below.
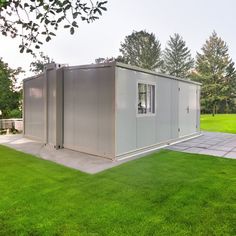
(177, 57)
(101, 60)
(216, 71)
(9, 96)
(120, 59)
(15, 113)
(225, 123)
(36, 20)
(141, 49)
(37, 66)
(166, 193)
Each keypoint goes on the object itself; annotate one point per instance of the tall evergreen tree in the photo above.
(216, 71)
(141, 49)
(177, 57)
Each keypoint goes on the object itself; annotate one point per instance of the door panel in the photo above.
(187, 109)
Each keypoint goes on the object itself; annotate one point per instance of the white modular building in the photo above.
(111, 110)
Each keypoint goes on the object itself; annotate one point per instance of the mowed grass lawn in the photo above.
(167, 193)
(219, 123)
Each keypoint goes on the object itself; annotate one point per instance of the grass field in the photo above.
(168, 193)
(219, 123)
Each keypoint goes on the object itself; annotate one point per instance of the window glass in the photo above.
(146, 98)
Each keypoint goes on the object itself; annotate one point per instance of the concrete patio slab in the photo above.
(178, 148)
(210, 143)
(76, 160)
(213, 152)
(221, 148)
(194, 150)
(231, 155)
(94, 164)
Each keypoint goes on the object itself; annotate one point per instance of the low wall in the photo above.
(12, 124)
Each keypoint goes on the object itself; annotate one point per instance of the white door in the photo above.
(187, 109)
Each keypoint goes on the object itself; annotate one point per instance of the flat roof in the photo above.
(135, 68)
(125, 66)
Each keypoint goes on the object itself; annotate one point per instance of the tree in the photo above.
(37, 66)
(9, 93)
(141, 49)
(216, 71)
(36, 20)
(104, 60)
(177, 57)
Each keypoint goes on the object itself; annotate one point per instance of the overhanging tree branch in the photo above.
(36, 21)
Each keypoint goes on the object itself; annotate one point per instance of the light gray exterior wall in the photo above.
(89, 111)
(34, 112)
(43, 106)
(171, 120)
(51, 106)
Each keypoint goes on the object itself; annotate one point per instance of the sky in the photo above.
(194, 20)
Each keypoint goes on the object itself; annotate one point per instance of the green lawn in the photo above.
(168, 193)
(219, 123)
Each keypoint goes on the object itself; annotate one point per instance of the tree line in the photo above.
(38, 21)
(213, 67)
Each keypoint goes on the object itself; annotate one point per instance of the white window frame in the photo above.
(137, 98)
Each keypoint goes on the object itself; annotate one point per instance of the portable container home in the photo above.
(110, 110)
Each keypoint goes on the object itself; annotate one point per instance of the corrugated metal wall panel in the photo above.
(89, 110)
(164, 112)
(174, 109)
(51, 107)
(134, 131)
(125, 111)
(34, 112)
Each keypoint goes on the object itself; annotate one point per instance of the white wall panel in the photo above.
(171, 119)
(89, 110)
(51, 107)
(34, 112)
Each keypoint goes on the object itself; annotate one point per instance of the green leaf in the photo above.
(48, 38)
(74, 23)
(75, 14)
(51, 33)
(72, 30)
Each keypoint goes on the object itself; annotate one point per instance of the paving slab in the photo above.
(76, 160)
(221, 148)
(73, 159)
(178, 148)
(210, 143)
(194, 150)
(213, 152)
(231, 155)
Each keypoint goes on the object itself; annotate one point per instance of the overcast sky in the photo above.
(194, 20)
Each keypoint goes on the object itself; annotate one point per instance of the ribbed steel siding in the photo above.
(34, 112)
(133, 131)
(51, 107)
(164, 109)
(89, 110)
(126, 125)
